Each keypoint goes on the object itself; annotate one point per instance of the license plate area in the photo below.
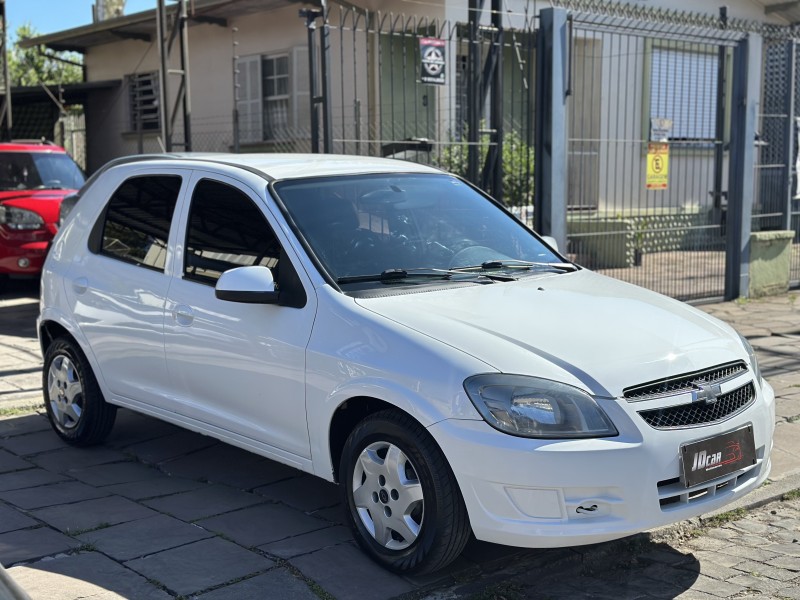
(717, 456)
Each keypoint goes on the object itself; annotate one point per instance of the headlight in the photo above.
(19, 218)
(753, 360)
(537, 408)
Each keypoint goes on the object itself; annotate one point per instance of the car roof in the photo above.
(30, 146)
(295, 166)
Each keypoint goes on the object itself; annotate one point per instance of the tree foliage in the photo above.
(32, 66)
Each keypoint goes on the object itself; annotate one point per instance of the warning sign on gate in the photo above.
(432, 57)
(657, 166)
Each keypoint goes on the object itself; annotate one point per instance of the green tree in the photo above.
(33, 66)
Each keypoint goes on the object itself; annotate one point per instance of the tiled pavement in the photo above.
(158, 512)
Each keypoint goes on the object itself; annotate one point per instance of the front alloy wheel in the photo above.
(388, 495)
(403, 502)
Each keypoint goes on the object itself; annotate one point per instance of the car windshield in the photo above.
(397, 225)
(38, 171)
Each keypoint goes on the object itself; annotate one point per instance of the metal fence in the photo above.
(383, 104)
(776, 202)
(666, 233)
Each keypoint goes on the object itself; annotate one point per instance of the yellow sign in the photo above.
(657, 166)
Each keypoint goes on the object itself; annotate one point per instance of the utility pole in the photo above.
(167, 36)
(235, 43)
(319, 98)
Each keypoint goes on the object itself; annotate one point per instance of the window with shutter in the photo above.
(249, 102)
(301, 95)
(273, 96)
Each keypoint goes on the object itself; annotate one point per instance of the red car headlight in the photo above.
(20, 219)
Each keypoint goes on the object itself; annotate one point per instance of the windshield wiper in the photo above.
(395, 275)
(422, 273)
(522, 265)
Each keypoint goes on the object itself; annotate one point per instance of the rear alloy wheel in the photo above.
(75, 405)
(403, 502)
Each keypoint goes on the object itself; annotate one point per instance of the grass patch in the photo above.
(315, 588)
(791, 495)
(158, 584)
(86, 547)
(318, 590)
(74, 532)
(724, 518)
(16, 411)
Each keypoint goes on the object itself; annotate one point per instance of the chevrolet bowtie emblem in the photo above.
(706, 392)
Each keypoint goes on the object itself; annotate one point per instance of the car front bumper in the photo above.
(541, 494)
(23, 253)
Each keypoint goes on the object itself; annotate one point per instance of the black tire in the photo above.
(440, 517)
(75, 405)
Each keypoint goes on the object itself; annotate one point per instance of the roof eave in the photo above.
(60, 40)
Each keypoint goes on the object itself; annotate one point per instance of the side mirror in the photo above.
(252, 285)
(551, 241)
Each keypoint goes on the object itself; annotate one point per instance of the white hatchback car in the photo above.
(387, 326)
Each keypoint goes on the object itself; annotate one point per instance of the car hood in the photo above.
(593, 331)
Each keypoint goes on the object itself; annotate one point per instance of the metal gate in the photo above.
(776, 203)
(382, 104)
(647, 157)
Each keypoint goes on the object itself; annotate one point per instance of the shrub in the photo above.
(517, 165)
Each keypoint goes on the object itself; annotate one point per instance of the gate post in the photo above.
(789, 133)
(550, 170)
(741, 179)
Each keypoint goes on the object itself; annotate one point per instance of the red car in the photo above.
(34, 178)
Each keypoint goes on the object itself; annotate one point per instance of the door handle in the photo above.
(183, 314)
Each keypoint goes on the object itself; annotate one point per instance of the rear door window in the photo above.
(137, 221)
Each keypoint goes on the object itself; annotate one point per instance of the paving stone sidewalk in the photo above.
(158, 512)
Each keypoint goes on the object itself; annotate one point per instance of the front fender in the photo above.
(322, 407)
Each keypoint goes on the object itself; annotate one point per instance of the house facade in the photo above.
(628, 65)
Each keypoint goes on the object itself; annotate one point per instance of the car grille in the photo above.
(684, 383)
(700, 413)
